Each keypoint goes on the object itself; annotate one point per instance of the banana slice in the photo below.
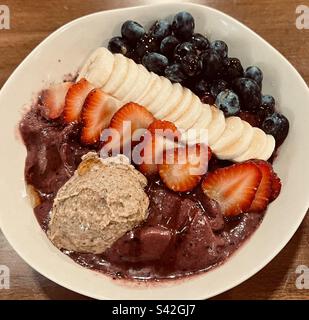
(160, 99)
(171, 102)
(256, 147)
(232, 132)
(185, 102)
(98, 67)
(240, 146)
(128, 82)
(151, 92)
(120, 70)
(204, 120)
(216, 126)
(269, 148)
(140, 86)
(191, 115)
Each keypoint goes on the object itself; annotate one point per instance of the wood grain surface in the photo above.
(274, 20)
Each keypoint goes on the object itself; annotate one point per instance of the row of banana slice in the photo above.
(229, 138)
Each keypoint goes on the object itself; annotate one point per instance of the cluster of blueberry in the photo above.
(175, 51)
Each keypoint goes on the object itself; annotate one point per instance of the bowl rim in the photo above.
(280, 245)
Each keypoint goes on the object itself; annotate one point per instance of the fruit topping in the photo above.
(118, 45)
(228, 102)
(218, 86)
(75, 99)
(183, 25)
(126, 121)
(97, 113)
(233, 69)
(249, 93)
(168, 46)
(147, 43)
(219, 47)
(160, 136)
(53, 100)
(233, 187)
(267, 107)
(255, 74)
(278, 126)
(212, 64)
(175, 73)
(155, 62)
(191, 65)
(183, 167)
(160, 29)
(132, 31)
(182, 50)
(275, 186)
(199, 42)
(263, 193)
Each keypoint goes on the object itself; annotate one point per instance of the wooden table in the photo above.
(32, 21)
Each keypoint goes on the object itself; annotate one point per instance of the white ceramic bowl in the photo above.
(63, 52)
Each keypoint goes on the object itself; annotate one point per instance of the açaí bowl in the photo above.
(62, 53)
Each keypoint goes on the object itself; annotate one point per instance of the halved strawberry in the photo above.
(183, 167)
(160, 136)
(126, 121)
(75, 99)
(263, 193)
(233, 187)
(164, 127)
(53, 100)
(97, 113)
(275, 187)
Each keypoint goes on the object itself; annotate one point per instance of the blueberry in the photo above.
(155, 62)
(233, 69)
(182, 50)
(160, 29)
(183, 25)
(132, 31)
(175, 73)
(267, 106)
(168, 46)
(118, 45)
(199, 42)
(220, 47)
(201, 87)
(212, 64)
(278, 126)
(249, 93)
(191, 65)
(147, 43)
(217, 86)
(228, 102)
(254, 73)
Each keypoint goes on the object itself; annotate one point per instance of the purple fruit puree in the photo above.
(183, 234)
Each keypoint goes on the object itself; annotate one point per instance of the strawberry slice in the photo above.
(263, 193)
(75, 99)
(275, 186)
(53, 100)
(233, 187)
(155, 142)
(97, 113)
(183, 167)
(126, 121)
